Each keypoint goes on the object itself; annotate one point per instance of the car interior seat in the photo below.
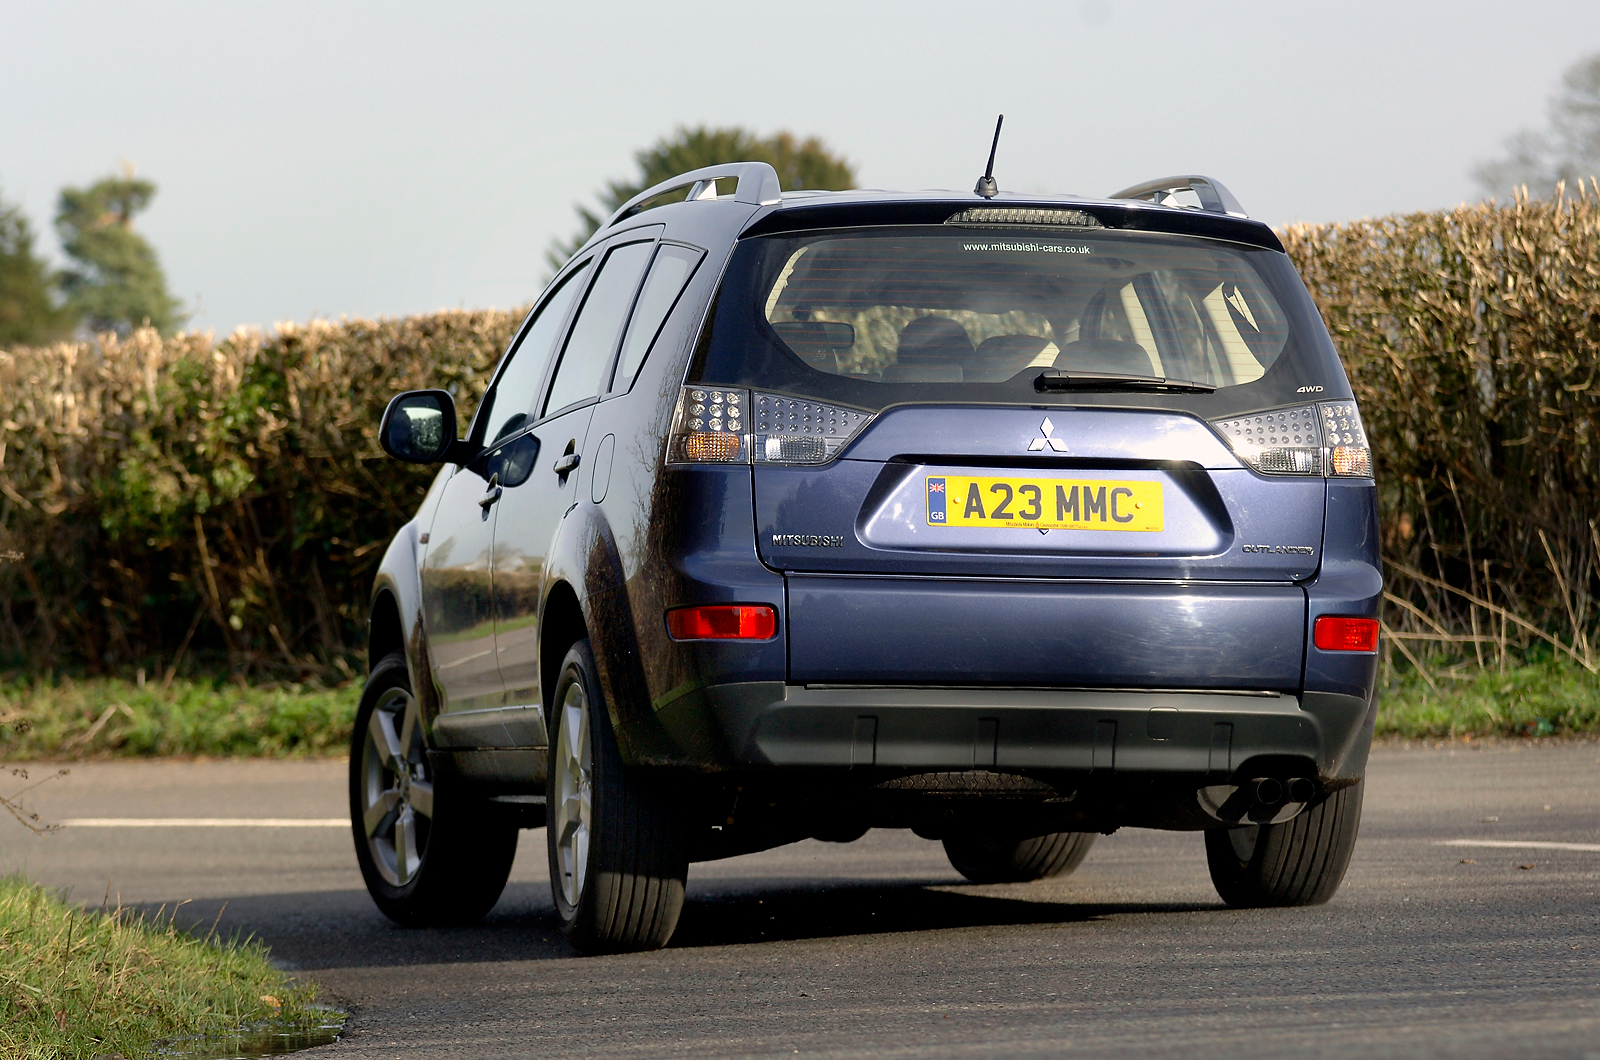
(999, 357)
(1099, 353)
(931, 350)
(1104, 357)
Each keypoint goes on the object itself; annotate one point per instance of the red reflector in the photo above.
(1333, 633)
(723, 622)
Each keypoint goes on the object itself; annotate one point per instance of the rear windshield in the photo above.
(874, 317)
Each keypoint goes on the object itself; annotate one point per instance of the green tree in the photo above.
(28, 314)
(804, 163)
(1568, 151)
(115, 282)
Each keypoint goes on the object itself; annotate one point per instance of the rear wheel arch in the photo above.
(385, 633)
(561, 626)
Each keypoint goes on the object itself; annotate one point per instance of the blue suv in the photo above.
(1006, 519)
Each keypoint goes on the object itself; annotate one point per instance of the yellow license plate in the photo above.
(1044, 503)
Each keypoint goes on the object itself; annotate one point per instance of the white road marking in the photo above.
(1513, 844)
(206, 822)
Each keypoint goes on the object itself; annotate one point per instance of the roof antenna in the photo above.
(986, 186)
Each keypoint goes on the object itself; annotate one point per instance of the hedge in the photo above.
(160, 498)
(1472, 338)
(163, 499)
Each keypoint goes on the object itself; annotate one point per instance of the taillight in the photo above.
(723, 622)
(719, 425)
(1280, 442)
(1337, 633)
(710, 426)
(791, 430)
(1346, 439)
(1324, 439)
(711, 447)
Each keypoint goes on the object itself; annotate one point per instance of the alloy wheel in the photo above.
(397, 790)
(574, 793)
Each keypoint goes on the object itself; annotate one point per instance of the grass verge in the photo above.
(59, 718)
(1543, 697)
(74, 983)
(66, 718)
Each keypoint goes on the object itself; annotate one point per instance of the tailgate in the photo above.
(1042, 492)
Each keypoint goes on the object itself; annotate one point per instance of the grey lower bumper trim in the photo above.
(1088, 731)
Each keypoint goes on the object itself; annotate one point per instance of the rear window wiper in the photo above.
(1055, 379)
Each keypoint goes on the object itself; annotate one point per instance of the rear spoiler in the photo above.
(1127, 215)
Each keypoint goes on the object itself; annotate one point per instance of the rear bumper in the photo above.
(926, 631)
(1204, 736)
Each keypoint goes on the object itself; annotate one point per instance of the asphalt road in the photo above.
(878, 949)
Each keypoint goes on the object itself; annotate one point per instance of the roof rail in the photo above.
(1214, 198)
(758, 186)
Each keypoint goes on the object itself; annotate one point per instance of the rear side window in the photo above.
(877, 316)
(668, 276)
(594, 333)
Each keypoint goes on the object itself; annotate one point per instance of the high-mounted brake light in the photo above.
(1338, 633)
(716, 425)
(723, 622)
(1324, 439)
(1006, 216)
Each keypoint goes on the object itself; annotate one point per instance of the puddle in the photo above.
(272, 1038)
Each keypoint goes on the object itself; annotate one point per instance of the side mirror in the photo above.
(419, 427)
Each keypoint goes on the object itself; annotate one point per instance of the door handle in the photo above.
(487, 500)
(564, 466)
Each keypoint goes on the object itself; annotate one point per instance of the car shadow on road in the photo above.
(764, 913)
(342, 929)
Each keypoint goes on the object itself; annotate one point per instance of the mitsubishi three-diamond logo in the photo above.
(1050, 439)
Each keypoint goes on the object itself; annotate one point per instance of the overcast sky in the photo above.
(361, 159)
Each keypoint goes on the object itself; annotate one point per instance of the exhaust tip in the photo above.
(1267, 791)
(1302, 789)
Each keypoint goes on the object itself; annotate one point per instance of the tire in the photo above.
(982, 859)
(1298, 862)
(431, 854)
(618, 851)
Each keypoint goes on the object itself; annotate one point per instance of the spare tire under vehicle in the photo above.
(990, 860)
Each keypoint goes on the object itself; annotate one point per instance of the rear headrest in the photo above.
(1108, 356)
(1010, 354)
(933, 340)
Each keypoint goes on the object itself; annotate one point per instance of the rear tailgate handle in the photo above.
(564, 466)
